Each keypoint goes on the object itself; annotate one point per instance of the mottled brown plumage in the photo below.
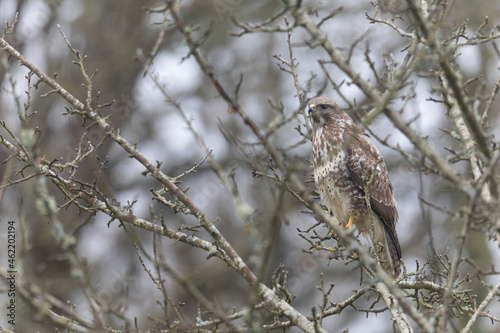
(346, 165)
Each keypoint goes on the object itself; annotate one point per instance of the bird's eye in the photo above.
(322, 107)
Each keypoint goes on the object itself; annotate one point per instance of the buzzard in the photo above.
(347, 169)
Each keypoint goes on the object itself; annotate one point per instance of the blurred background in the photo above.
(113, 35)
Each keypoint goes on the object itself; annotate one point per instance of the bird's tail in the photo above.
(388, 249)
(394, 250)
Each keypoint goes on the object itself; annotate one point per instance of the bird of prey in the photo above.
(348, 168)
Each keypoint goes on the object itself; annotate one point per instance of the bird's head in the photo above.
(322, 110)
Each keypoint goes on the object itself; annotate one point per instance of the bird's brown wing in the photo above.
(367, 168)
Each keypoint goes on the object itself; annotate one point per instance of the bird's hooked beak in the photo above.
(312, 107)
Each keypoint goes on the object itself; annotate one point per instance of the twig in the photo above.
(480, 309)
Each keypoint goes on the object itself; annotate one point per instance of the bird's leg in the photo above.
(349, 224)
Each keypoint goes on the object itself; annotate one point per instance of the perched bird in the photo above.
(347, 168)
